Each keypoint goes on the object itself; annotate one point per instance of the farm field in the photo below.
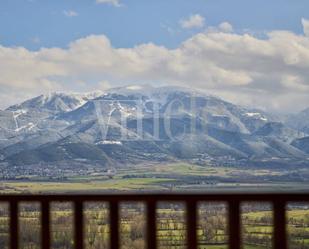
(171, 231)
(161, 177)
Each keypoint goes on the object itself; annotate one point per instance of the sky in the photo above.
(254, 53)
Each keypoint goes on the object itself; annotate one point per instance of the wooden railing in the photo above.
(279, 202)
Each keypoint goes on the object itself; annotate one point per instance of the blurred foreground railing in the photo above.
(279, 202)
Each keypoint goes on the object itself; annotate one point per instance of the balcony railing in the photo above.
(279, 202)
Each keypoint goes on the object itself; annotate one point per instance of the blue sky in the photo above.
(34, 23)
(250, 52)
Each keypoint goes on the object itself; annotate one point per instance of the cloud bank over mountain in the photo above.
(269, 72)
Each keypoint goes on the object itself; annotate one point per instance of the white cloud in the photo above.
(115, 3)
(70, 13)
(193, 21)
(226, 27)
(305, 24)
(104, 85)
(272, 73)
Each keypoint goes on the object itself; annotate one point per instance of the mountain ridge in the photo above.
(190, 125)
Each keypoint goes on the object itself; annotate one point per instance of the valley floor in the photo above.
(257, 222)
(165, 177)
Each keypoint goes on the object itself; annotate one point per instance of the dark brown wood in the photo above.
(45, 221)
(114, 224)
(191, 225)
(78, 225)
(234, 225)
(280, 237)
(151, 225)
(14, 238)
(165, 196)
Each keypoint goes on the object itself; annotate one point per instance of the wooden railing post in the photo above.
(191, 225)
(114, 224)
(78, 225)
(280, 238)
(151, 225)
(234, 225)
(45, 221)
(234, 200)
(14, 231)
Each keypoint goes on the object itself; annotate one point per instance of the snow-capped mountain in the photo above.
(143, 123)
(37, 113)
(54, 102)
(29, 120)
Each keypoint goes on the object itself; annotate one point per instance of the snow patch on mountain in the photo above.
(256, 115)
(110, 142)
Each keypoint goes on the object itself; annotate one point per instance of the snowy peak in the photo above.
(206, 108)
(154, 92)
(54, 102)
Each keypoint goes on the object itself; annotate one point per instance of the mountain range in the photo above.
(138, 124)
